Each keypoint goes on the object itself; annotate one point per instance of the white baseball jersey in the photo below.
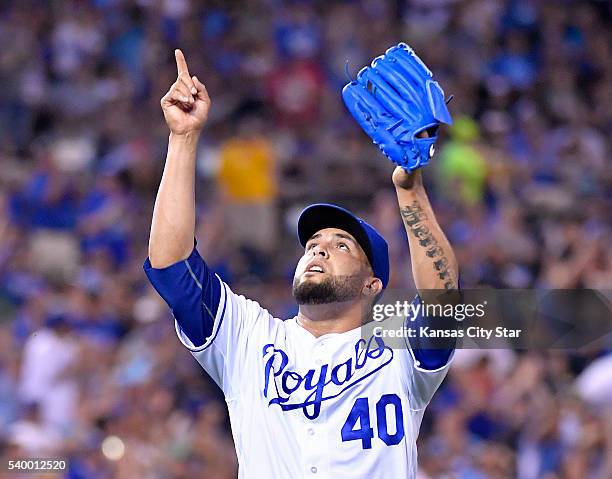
(337, 406)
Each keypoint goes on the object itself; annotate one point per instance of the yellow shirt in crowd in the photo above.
(247, 170)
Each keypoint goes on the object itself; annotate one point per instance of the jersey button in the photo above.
(310, 431)
(313, 469)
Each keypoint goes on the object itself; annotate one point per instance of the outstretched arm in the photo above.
(185, 108)
(434, 266)
(174, 267)
(210, 320)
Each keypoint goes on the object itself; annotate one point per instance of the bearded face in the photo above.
(333, 269)
(331, 289)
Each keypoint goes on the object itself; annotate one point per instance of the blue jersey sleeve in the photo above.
(191, 291)
(431, 354)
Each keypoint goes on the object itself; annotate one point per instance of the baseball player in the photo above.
(309, 396)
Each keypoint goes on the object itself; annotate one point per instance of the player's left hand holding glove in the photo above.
(395, 100)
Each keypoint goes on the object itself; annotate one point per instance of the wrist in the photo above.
(187, 138)
(411, 188)
(415, 187)
(406, 196)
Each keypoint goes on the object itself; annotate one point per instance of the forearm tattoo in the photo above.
(414, 218)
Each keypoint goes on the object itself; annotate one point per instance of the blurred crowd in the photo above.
(89, 364)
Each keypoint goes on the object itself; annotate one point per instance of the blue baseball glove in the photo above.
(394, 100)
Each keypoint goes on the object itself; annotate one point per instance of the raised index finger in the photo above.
(181, 64)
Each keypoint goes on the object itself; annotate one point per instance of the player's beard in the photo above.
(333, 289)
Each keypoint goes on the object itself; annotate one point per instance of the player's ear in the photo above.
(373, 287)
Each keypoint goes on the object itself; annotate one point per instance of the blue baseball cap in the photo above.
(323, 215)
